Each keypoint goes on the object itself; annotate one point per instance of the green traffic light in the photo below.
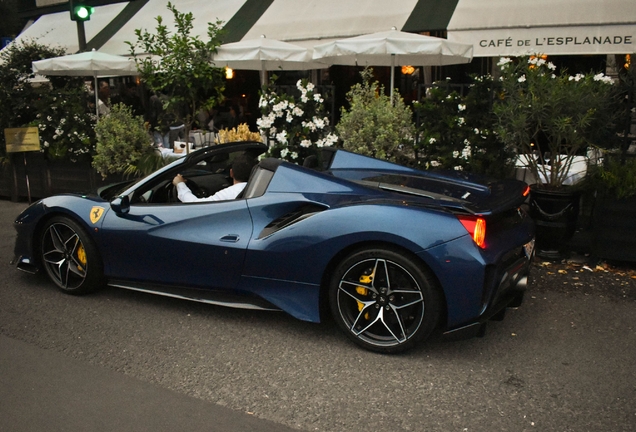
(83, 13)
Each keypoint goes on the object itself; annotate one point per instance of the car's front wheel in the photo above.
(384, 300)
(69, 257)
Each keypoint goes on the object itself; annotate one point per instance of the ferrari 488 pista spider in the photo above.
(393, 253)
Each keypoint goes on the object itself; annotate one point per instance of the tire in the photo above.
(69, 257)
(384, 300)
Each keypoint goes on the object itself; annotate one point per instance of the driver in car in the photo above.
(240, 173)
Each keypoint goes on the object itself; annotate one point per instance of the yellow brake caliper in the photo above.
(81, 257)
(365, 279)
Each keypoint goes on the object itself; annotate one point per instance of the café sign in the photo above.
(618, 39)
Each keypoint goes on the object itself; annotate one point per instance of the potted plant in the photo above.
(57, 107)
(124, 145)
(551, 119)
(613, 185)
(373, 125)
(294, 127)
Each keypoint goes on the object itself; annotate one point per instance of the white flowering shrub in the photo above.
(66, 127)
(544, 112)
(455, 131)
(295, 128)
(58, 109)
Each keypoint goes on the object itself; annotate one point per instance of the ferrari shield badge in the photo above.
(96, 214)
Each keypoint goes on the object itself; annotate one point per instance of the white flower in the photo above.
(435, 163)
(576, 77)
(466, 152)
(46, 143)
(294, 155)
(503, 61)
(317, 98)
(455, 154)
(290, 117)
(265, 122)
(320, 123)
(432, 141)
(522, 78)
(305, 143)
(331, 138)
(460, 121)
(304, 98)
(461, 107)
(458, 168)
(601, 77)
(309, 125)
(310, 87)
(298, 112)
(551, 66)
(477, 131)
(49, 118)
(282, 137)
(284, 152)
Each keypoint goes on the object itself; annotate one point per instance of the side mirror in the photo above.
(120, 204)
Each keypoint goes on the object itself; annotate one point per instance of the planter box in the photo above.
(613, 223)
(46, 178)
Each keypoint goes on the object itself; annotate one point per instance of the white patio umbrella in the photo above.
(91, 63)
(393, 48)
(264, 54)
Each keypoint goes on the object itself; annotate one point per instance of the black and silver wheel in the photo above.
(69, 257)
(383, 300)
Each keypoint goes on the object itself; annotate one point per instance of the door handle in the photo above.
(230, 238)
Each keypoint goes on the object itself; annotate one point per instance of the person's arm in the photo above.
(185, 194)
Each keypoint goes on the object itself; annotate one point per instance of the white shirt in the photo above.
(229, 193)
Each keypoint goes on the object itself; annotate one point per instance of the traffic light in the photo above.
(80, 11)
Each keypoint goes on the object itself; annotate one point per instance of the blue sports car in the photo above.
(393, 253)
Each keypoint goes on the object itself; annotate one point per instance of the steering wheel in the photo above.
(173, 196)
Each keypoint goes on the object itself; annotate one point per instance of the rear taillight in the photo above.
(526, 191)
(476, 227)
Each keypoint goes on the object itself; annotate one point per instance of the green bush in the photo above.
(123, 143)
(372, 126)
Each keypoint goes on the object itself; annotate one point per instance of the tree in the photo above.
(179, 66)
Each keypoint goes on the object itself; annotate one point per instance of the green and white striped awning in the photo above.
(493, 27)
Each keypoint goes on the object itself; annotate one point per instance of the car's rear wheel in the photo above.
(384, 300)
(69, 257)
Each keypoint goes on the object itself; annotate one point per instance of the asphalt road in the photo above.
(119, 360)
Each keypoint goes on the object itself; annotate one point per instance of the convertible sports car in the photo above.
(393, 253)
